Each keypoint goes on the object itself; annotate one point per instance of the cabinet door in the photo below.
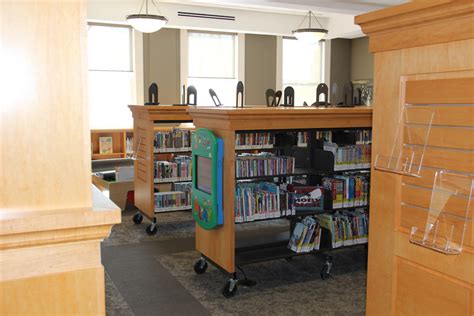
(404, 278)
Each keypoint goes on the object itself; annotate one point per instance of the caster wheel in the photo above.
(230, 288)
(138, 218)
(151, 229)
(200, 266)
(325, 273)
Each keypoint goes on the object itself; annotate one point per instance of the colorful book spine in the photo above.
(263, 165)
(257, 201)
(255, 140)
(347, 191)
(306, 236)
(347, 227)
(172, 201)
(177, 170)
(350, 157)
(175, 140)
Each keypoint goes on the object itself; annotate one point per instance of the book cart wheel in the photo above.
(230, 288)
(326, 270)
(151, 229)
(200, 266)
(138, 218)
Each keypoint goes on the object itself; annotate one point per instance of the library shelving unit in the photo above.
(146, 121)
(120, 143)
(219, 246)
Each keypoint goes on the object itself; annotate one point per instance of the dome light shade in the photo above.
(310, 35)
(146, 23)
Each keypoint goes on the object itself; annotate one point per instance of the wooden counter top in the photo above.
(161, 112)
(265, 118)
(25, 226)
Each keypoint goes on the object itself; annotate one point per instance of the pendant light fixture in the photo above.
(147, 23)
(310, 35)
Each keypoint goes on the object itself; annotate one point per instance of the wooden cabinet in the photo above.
(423, 56)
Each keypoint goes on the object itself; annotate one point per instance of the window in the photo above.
(212, 64)
(111, 76)
(303, 69)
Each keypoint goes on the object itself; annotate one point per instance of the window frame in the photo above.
(130, 45)
(234, 59)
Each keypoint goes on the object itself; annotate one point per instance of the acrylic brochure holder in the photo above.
(450, 214)
(134, 153)
(411, 140)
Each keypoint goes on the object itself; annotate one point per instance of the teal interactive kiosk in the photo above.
(208, 152)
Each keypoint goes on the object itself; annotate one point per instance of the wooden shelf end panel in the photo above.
(144, 169)
(219, 244)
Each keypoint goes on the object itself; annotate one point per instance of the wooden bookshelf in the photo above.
(119, 142)
(219, 245)
(146, 121)
(423, 57)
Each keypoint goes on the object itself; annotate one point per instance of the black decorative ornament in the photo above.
(153, 95)
(240, 91)
(278, 97)
(215, 98)
(192, 92)
(289, 96)
(323, 89)
(270, 97)
(348, 95)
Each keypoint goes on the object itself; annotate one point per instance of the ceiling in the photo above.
(321, 7)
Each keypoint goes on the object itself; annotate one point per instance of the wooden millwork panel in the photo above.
(424, 76)
(219, 244)
(143, 186)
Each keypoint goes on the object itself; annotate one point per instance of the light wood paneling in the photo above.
(382, 203)
(457, 267)
(430, 294)
(460, 160)
(443, 115)
(419, 41)
(455, 138)
(51, 224)
(437, 21)
(264, 118)
(422, 62)
(419, 196)
(44, 117)
(144, 197)
(412, 216)
(444, 91)
(219, 244)
(80, 292)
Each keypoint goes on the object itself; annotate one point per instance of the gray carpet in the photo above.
(154, 275)
(171, 225)
(283, 287)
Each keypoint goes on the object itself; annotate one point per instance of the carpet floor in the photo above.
(147, 275)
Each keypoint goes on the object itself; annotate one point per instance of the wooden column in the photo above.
(51, 223)
(423, 55)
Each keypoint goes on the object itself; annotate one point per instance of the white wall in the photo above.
(251, 22)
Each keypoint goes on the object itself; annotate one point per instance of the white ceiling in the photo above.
(321, 7)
